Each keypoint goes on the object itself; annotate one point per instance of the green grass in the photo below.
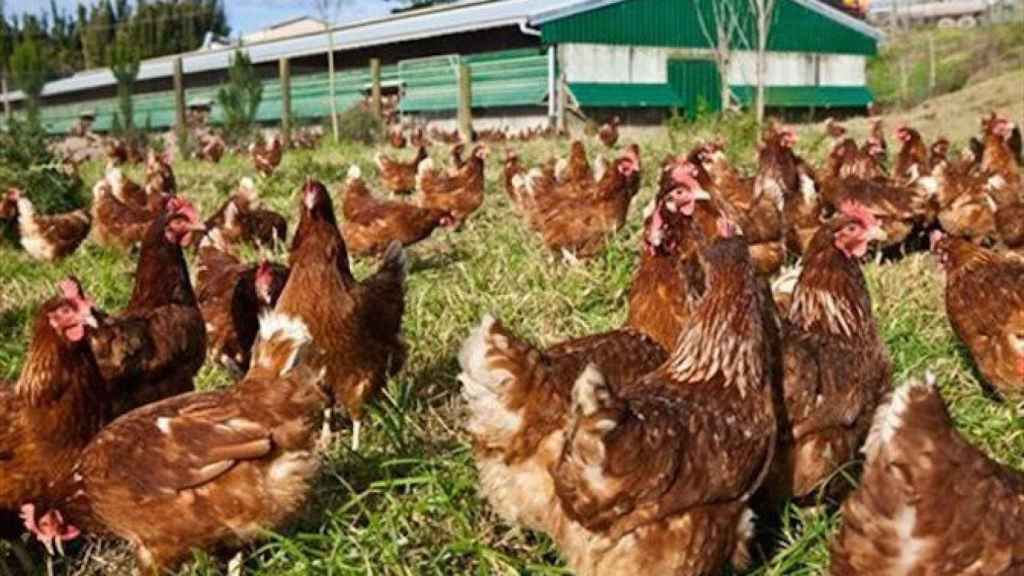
(961, 57)
(408, 503)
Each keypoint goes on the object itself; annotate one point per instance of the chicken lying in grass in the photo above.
(357, 324)
(50, 237)
(49, 415)
(154, 347)
(201, 471)
(985, 305)
(371, 225)
(232, 295)
(929, 502)
(836, 367)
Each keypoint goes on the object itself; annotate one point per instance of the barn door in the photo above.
(697, 83)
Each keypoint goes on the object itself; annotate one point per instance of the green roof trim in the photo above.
(625, 95)
(807, 96)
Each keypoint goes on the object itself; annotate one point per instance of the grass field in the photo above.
(407, 503)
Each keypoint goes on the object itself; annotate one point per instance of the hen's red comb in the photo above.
(70, 289)
(177, 205)
(859, 212)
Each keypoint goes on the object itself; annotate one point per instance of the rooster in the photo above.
(929, 502)
(154, 347)
(609, 132)
(231, 296)
(227, 466)
(992, 328)
(266, 158)
(658, 472)
(358, 325)
(670, 281)
(371, 225)
(459, 194)
(836, 367)
(56, 406)
(51, 237)
(398, 176)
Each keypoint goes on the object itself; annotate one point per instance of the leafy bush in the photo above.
(30, 68)
(26, 163)
(359, 125)
(240, 97)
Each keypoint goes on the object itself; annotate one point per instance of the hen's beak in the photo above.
(701, 195)
(197, 227)
(90, 321)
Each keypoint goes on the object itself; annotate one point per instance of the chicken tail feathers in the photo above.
(284, 343)
(914, 401)
(496, 367)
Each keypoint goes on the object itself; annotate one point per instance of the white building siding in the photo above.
(601, 63)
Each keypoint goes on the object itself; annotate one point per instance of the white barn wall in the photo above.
(600, 63)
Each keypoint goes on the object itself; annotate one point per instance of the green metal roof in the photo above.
(801, 26)
(807, 96)
(626, 95)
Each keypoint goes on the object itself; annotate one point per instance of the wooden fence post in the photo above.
(285, 73)
(563, 105)
(180, 123)
(465, 117)
(376, 105)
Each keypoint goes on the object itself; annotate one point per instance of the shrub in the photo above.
(240, 98)
(26, 163)
(359, 125)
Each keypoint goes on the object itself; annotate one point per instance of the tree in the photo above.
(727, 32)
(240, 98)
(29, 70)
(6, 47)
(123, 59)
(763, 12)
(329, 10)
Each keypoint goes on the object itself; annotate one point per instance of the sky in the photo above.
(243, 15)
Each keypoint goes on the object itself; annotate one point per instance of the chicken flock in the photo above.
(749, 375)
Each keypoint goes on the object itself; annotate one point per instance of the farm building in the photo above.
(527, 60)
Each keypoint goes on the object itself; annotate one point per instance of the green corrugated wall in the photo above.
(673, 23)
(309, 100)
(698, 84)
(508, 78)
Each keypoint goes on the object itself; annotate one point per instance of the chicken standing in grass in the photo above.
(232, 295)
(56, 406)
(206, 470)
(836, 367)
(153, 348)
(357, 324)
(50, 237)
(929, 502)
(985, 305)
(371, 225)
(656, 474)
(399, 176)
